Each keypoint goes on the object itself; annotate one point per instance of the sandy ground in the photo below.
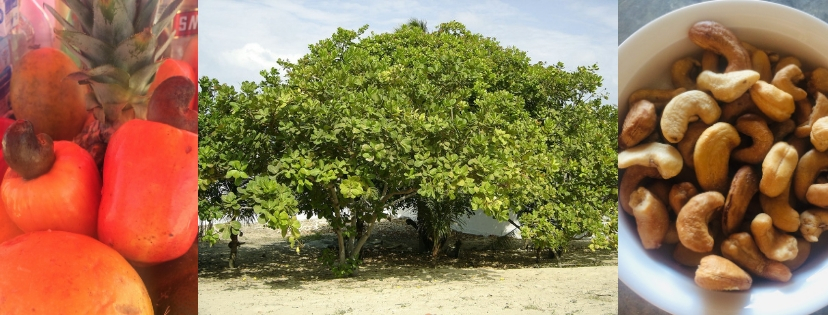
(396, 280)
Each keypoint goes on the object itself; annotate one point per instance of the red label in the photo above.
(186, 23)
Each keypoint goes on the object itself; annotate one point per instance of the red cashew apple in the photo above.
(173, 285)
(49, 185)
(8, 229)
(149, 207)
(56, 272)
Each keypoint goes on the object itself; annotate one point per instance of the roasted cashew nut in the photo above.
(782, 129)
(784, 62)
(687, 145)
(692, 221)
(786, 79)
(710, 61)
(742, 250)
(817, 195)
(729, 86)
(819, 134)
(814, 222)
(684, 72)
(658, 97)
(774, 244)
(720, 274)
(802, 113)
(663, 157)
(672, 235)
(818, 81)
(819, 110)
(630, 181)
(717, 38)
(685, 108)
(778, 105)
(810, 165)
(712, 156)
(757, 129)
(777, 169)
(761, 63)
(640, 122)
(681, 193)
(745, 184)
(784, 217)
(741, 106)
(651, 217)
(804, 251)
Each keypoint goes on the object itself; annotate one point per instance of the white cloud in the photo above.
(251, 56)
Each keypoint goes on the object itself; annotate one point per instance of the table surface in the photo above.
(632, 15)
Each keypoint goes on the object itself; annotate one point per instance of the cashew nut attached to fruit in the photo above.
(717, 38)
(693, 218)
(640, 122)
(729, 86)
(777, 169)
(774, 244)
(742, 250)
(778, 105)
(685, 108)
(757, 129)
(786, 79)
(651, 217)
(720, 274)
(684, 73)
(712, 156)
(814, 222)
(745, 184)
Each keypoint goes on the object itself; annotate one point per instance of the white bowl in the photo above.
(645, 59)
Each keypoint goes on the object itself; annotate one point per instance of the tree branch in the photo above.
(408, 191)
(401, 199)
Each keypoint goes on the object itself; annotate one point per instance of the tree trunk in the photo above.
(234, 245)
(341, 242)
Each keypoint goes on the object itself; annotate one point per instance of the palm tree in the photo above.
(416, 23)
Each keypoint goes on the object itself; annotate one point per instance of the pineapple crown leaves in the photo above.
(117, 42)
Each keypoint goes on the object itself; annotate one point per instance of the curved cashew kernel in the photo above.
(630, 181)
(782, 129)
(683, 73)
(741, 249)
(761, 63)
(741, 106)
(720, 274)
(773, 56)
(658, 97)
(819, 110)
(718, 39)
(818, 195)
(777, 104)
(685, 108)
(802, 113)
(774, 244)
(661, 190)
(680, 194)
(777, 169)
(784, 62)
(819, 134)
(710, 61)
(663, 157)
(651, 217)
(687, 257)
(818, 81)
(640, 122)
(693, 218)
(814, 222)
(672, 235)
(745, 184)
(804, 251)
(749, 47)
(712, 156)
(687, 145)
(757, 129)
(729, 86)
(810, 165)
(784, 217)
(786, 78)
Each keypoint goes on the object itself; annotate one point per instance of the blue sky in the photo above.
(242, 37)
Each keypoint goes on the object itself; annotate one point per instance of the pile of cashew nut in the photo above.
(731, 166)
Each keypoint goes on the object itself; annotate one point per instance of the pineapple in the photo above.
(117, 43)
